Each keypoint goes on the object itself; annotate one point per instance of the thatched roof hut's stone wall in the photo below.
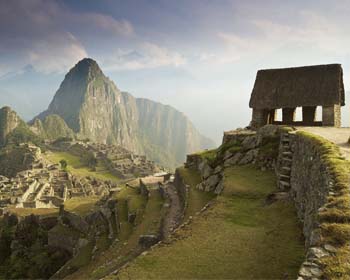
(319, 85)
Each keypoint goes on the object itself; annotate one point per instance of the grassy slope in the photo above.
(238, 237)
(80, 206)
(196, 198)
(76, 167)
(147, 222)
(36, 211)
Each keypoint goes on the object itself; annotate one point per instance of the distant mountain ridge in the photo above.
(93, 107)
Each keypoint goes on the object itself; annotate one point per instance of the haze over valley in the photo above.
(188, 139)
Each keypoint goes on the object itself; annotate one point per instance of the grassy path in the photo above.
(239, 237)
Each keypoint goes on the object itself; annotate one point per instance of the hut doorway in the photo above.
(298, 114)
(318, 114)
(278, 115)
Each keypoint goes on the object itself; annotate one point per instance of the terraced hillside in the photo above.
(138, 215)
(238, 237)
(78, 167)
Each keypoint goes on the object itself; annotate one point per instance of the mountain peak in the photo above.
(86, 67)
(87, 62)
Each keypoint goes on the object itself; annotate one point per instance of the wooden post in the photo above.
(309, 115)
(288, 115)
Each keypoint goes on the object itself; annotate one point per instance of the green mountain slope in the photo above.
(94, 108)
(52, 127)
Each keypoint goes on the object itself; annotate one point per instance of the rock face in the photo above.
(52, 128)
(94, 108)
(9, 120)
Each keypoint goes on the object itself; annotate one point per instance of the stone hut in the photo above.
(306, 87)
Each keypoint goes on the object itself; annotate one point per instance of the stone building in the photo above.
(306, 87)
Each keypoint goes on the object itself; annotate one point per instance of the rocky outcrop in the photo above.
(149, 240)
(74, 232)
(9, 121)
(14, 159)
(240, 147)
(259, 147)
(94, 108)
(52, 127)
(25, 249)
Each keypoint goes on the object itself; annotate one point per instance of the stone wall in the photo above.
(331, 115)
(182, 190)
(314, 187)
(318, 183)
(239, 147)
(310, 182)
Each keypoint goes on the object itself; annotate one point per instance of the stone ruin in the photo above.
(306, 87)
(47, 186)
(121, 162)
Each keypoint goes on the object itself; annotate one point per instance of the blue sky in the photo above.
(199, 56)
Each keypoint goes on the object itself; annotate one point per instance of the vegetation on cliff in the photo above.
(52, 127)
(93, 107)
(149, 212)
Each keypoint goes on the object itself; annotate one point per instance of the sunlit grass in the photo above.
(196, 199)
(239, 237)
(78, 168)
(81, 205)
(35, 211)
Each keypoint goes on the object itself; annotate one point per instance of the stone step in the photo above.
(283, 176)
(284, 184)
(286, 168)
(287, 159)
(287, 153)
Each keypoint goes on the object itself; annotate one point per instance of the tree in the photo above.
(90, 160)
(64, 164)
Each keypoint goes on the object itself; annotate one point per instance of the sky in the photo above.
(198, 56)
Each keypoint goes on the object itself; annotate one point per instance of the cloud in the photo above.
(148, 56)
(121, 27)
(310, 32)
(44, 33)
(43, 54)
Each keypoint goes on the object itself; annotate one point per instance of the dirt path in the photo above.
(338, 136)
(173, 218)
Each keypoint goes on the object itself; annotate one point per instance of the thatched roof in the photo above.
(319, 85)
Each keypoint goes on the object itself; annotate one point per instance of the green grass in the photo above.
(196, 199)
(150, 212)
(239, 237)
(77, 205)
(35, 211)
(82, 259)
(78, 168)
(81, 206)
(209, 155)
